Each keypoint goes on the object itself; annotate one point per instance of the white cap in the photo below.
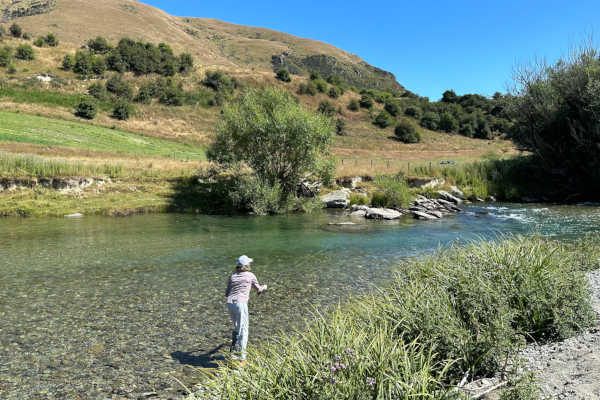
(244, 260)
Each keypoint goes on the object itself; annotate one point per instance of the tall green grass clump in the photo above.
(20, 166)
(391, 191)
(464, 310)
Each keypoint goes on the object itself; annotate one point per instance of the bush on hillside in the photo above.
(283, 75)
(334, 92)
(407, 133)
(86, 108)
(321, 85)
(11, 69)
(430, 120)
(366, 101)
(353, 105)
(6, 56)
(119, 87)
(83, 64)
(98, 91)
(414, 112)
(144, 94)
(392, 108)
(25, 52)
(16, 30)
(326, 108)
(26, 36)
(219, 82)
(448, 123)
(122, 110)
(383, 120)
(186, 63)
(340, 127)
(172, 96)
(51, 40)
(308, 88)
(39, 42)
(99, 45)
(314, 75)
(335, 80)
(98, 65)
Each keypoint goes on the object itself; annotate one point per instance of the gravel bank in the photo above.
(570, 369)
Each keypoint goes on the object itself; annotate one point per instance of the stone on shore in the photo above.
(424, 216)
(336, 199)
(456, 192)
(448, 197)
(358, 214)
(383, 213)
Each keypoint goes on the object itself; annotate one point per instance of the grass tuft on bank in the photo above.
(464, 310)
(30, 166)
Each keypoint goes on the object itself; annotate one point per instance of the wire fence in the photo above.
(350, 165)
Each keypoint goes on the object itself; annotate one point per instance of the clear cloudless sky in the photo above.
(470, 46)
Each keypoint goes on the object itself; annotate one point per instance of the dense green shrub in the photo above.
(119, 87)
(6, 56)
(219, 82)
(51, 40)
(414, 112)
(383, 120)
(406, 132)
(186, 63)
(39, 41)
(366, 101)
(395, 190)
(334, 92)
(448, 123)
(11, 69)
(325, 169)
(25, 52)
(86, 108)
(321, 85)
(430, 120)
(16, 30)
(556, 114)
(263, 124)
(98, 91)
(307, 88)
(172, 96)
(98, 65)
(122, 110)
(392, 108)
(340, 127)
(83, 63)
(145, 58)
(326, 108)
(359, 200)
(145, 94)
(283, 75)
(99, 45)
(26, 36)
(315, 75)
(335, 80)
(353, 105)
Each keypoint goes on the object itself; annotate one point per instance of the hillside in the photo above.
(213, 43)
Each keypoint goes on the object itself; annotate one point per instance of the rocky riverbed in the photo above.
(570, 369)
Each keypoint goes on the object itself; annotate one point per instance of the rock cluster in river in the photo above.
(420, 208)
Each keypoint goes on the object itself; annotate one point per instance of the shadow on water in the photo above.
(192, 195)
(204, 360)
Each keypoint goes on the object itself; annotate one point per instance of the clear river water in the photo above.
(103, 308)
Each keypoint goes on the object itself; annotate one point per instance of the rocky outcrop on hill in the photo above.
(64, 184)
(11, 9)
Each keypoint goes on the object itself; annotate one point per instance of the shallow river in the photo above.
(114, 308)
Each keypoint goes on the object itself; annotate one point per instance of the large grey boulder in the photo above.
(456, 192)
(448, 197)
(358, 214)
(336, 199)
(383, 213)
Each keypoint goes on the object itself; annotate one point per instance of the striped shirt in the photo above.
(239, 285)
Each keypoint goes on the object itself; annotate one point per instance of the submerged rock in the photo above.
(74, 215)
(424, 216)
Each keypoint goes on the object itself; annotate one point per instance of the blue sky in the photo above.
(466, 45)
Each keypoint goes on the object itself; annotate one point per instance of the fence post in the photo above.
(388, 163)
(342, 161)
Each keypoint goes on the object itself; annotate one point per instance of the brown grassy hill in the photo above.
(213, 43)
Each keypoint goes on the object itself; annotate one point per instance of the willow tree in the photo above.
(273, 134)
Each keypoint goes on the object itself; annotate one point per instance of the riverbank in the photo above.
(476, 306)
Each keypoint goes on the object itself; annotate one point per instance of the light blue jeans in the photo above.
(239, 316)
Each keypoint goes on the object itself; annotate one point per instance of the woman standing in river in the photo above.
(241, 281)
